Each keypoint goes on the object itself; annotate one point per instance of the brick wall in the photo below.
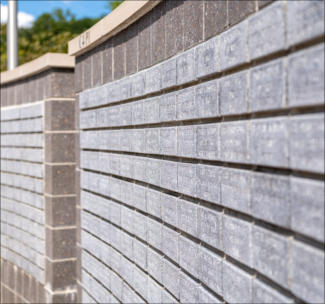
(202, 156)
(38, 218)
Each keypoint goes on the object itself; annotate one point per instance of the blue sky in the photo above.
(81, 8)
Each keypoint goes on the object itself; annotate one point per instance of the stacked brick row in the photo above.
(202, 175)
(22, 202)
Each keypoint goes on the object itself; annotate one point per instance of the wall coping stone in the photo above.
(45, 62)
(120, 18)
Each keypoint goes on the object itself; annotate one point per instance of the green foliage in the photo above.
(49, 33)
(114, 4)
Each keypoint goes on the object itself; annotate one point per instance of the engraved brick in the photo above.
(154, 292)
(169, 209)
(206, 297)
(206, 58)
(152, 141)
(307, 207)
(187, 179)
(208, 183)
(186, 141)
(207, 99)
(140, 254)
(187, 215)
(153, 172)
(210, 269)
(237, 239)
(137, 84)
(236, 189)
(167, 107)
(266, 31)
(186, 104)
(153, 79)
(153, 202)
(151, 110)
(170, 243)
(267, 86)
(234, 142)
(270, 198)
(233, 46)
(188, 255)
(305, 20)
(139, 197)
(208, 141)
(154, 233)
(270, 254)
(307, 273)
(185, 67)
(168, 175)
(171, 278)
(269, 142)
(305, 76)
(168, 73)
(168, 141)
(237, 284)
(137, 139)
(210, 227)
(140, 167)
(155, 265)
(189, 289)
(306, 138)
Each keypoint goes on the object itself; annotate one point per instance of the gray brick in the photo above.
(139, 197)
(233, 46)
(167, 107)
(152, 140)
(234, 142)
(208, 141)
(305, 20)
(306, 138)
(206, 297)
(266, 31)
(307, 273)
(187, 179)
(140, 167)
(155, 265)
(138, 141)
(185, 67)
(140, 254)
(171, 278)
(186, 104)
(167, 298)
(267, 86)
(154, 292)
(168, 141)
(151, 110)
(125, 115)
(126, 166)
(116, 285)
(210, 227)
(186, 141)
(170, 243)
(138, 84)
(153, 202)
(232, 94)
(236, 189)
(237, 239)
(237, 284)
(140, 226)
(269, 142)
(270, 255)
(208, 183)
(187, 215)
(270, 198)
(263, 293)
(153, 171)
(169, 209)
(168, 73)
(168, 175)
(188, 255)
(210, 270)
(127, 270)
(154, 233)
(307, 205)
(206, 58)
(189, 289)
(153, 79)
(306, 75)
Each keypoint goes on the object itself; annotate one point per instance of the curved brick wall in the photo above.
(201, 163)
(37, 187)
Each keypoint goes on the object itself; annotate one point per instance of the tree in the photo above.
(114, 4)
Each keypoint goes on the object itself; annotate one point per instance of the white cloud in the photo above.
(24, 19)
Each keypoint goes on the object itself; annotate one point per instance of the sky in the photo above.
(29, 10)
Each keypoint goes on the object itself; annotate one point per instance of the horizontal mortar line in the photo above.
(25, 231)
(242, 117)
(22, 161)
(59, 195)
(61, 227)
(18, 119)
(28, 260)
(20, 188)
(23, 133)
(241, 67)
(104, 286)
(21, 202)
(133, 262)
(217, 163)
(61, 132)
(60, 164)
(86, 291)
(23, 147)
(23, 216)
(59, 99)
(60, 260)
(214, 206)
(22, 174)
(199, 242)
(13, 291)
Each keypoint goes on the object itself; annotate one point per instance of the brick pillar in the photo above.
(60, 200)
